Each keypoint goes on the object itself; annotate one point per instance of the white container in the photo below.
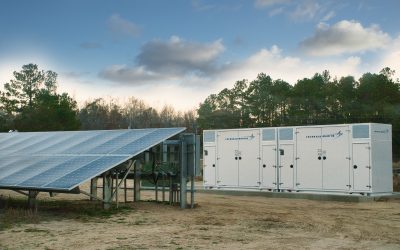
(348, 158)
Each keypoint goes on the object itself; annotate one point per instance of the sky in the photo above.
(179, 52)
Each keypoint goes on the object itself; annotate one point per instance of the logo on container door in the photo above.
(333, 135)
(382, 131)
(249, 137)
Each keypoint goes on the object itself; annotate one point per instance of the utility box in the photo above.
(348, 158)
(237, 155)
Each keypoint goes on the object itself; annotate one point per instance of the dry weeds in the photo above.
(218, 222)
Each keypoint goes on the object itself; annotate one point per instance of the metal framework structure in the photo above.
(59, 162)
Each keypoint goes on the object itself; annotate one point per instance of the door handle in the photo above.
(355, 166)
(291, 166)
(235, 158)
(213, 165)
(240, 157)
(324, 158)
(319, 157)
(264, 166)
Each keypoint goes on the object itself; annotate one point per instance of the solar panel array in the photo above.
(64, 160)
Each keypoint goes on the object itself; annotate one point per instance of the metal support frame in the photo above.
(196, 170)
(188, 153)
(171, 191)
(131, 163)
(92, 197)
(183, 174)
(107, 190)
(178, 187)
(93, 188)
(20, 192)
(163, 187)
(125, 192)
(32, 202)
(136, 185)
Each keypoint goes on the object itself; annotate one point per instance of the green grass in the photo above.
(14, 212)
(36, 230)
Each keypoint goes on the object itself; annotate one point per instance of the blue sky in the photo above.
(179, 52)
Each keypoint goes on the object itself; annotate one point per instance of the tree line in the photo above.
(30, 102)
(321, 99)
(135, 113)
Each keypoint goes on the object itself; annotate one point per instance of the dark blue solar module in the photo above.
(64, 160)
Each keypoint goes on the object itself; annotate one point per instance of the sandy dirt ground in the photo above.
(218, 222)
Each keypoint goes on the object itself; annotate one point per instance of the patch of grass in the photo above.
(268, 223)
(14, 212)
(121, 238)
(36, 230)
(15, 216)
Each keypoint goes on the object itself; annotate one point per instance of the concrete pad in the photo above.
(306, 195)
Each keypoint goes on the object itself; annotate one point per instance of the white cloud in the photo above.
(298, 10)
(167, 60)
(328, 16)
(391, 57)
(269, 3)
(200, 6)
(133, 76)
(305, 10)
(278, 66)
(344, 37)
(178, 56)
(74, 74)
(121, 26)
(276, 11)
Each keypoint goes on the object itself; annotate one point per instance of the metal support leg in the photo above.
(125, 193)
(102, 188)
(32, 202)
(192, 191)
(156, 188)
(163, 187)
(137, 181)
(183, 175)
(112, 184)
(164, 152)
(116, 189)
(107, 189)
(93, 188)
(171, 191)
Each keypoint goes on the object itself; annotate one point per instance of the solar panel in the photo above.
(64, 160)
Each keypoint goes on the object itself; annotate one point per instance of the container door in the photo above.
(227, 158)
(361, 167)
(209, 170)
(286, 166)
(309, 158)
(336, 158)
(249, 158)
(268, 169)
